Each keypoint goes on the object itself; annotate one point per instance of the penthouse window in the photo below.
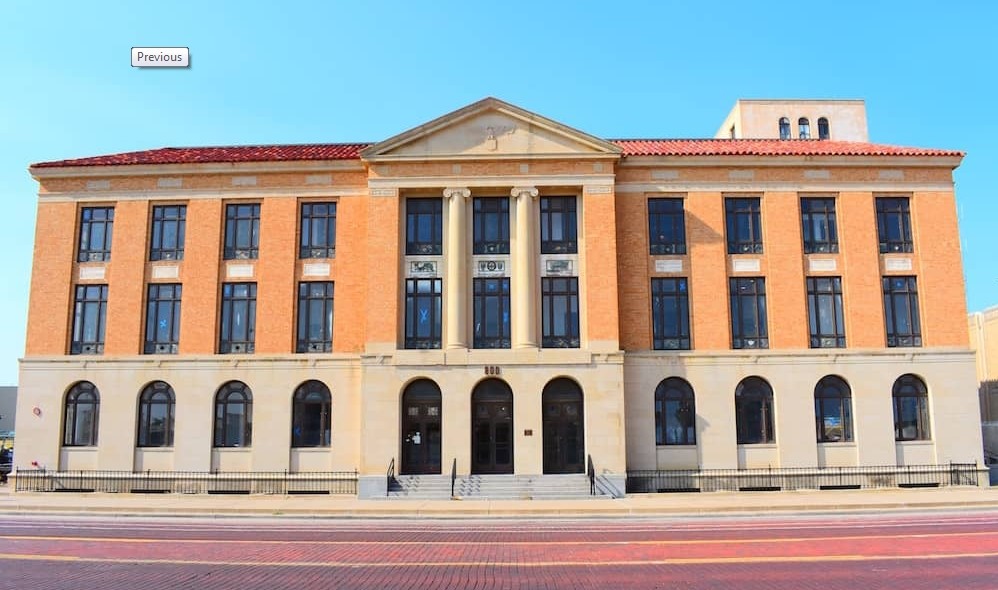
(424, 226)
(318, 230)
(784, 128)
(901, 312)
(744, 225)
(96, 225)
(422, 313)
(491, 304)
(238, 330)
(315, 317)
(168, 229)
(748, 313)
(894, 224)
(819, 226)
(666, 226)
(825, 315)
(242, 231)
(491, 221)
(670, 311)
(560, 312)
(804, 128)
(162, 319)
(823, 128)
(89, 317)
(559, 226)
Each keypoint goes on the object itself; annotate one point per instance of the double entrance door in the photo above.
(563, 428)
(492, 427)
(421, 429)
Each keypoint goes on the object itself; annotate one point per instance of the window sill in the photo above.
(838, 444)
(676, 447)
(232, 449)
(758, 446)
(914, 443)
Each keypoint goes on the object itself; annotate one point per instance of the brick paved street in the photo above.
(900, 550)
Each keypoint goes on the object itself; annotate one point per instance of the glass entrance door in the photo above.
(564, 447)
(492, 428)
(421, 428)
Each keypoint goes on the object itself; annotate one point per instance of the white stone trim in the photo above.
(197, 194)
(784, 186)
(892, 264)
(166, 271)
(238, 271)
(92, 273)
(315, 269)
(669, 265)
(489, 181)
(822, 264)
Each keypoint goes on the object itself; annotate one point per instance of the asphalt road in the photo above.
(906, 551)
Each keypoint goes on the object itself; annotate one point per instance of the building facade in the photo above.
(499, 290)
(983, 327)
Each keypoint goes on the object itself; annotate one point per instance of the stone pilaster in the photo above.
(456, 279)
(524, 273)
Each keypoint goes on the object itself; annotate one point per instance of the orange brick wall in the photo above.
(349, 271)
(632, 272)
(786, 291)
(50, 307)
(709, 314)
(601, 274)
(383, 270)
(199, 309)
(940, 280)
(859, 258)
(276, 291)
(126, 272)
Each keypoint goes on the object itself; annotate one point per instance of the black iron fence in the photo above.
(187, 482)
(804, 478)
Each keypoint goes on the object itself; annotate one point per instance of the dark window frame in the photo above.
(785, 128)
(311, 406)
(83, 395)
(823, 292)
(818, 216)
(317, 230)
(910, 398)
(96, 234)
(500, 302)
(677, 392)
(559, 215)
(227, 343)
(310, 295)
(754, 395)
(157, 394)
(415, 299)
(742, 301)
(489, 211)
(233, 394)
(804, 128)
(168, 232)
(420, 211)
(670, 297)
(242, 231)
(834, 391)
(564, 292)
(894, 225)
(83, 313)
(163, 302)
(902, 321)
(666, 225)
(823, 128)
(743, 215)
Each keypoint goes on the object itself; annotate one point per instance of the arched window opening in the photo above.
(675, 413)
(784, 128)
(156, 414)
(833, 410)
(311, 416)
(823, 128)
(81, 415)
(754, 412)
(911, 409)
(234, 415)
(804, 128)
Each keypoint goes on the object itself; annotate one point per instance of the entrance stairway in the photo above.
(493, 487)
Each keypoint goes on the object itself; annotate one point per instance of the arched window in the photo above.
(81, 415)
(156, 410)
(234, 415)
(675, 413)
(311, 415)
(784, 128)
(833, 410)
(754, 412)
(823, 128)
(804, 128)
(911, 409)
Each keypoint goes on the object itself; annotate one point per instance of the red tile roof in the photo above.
(630, 147)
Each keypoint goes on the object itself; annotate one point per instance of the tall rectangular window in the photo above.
(89, 316)
(168, 228)
(491, 221)
(96, 225)
(824, 310)
(901, 312)
(162, 319)
(560, 311)
(238, 330)
(424, 226)
(818, 225)
(743, 219)
(315, 317)
(242, 231)
(422, 313)
(318, 230)
(670, 310)
(492, 313)
(894, 225)
(666, 226)
(559, 226)
(748, 313)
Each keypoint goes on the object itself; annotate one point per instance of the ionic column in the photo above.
(524, 275)
(456, 282)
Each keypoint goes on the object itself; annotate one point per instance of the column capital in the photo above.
(519, 191)
(459, 192)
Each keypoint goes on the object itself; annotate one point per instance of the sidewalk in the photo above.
(638, 505)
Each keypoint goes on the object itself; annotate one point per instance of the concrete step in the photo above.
(492, 487)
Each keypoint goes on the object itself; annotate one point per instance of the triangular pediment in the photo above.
(490, 128)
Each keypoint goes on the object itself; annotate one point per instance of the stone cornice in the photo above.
(207, 168)
(791, 161)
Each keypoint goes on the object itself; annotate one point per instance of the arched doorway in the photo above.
(421, 428)
(492, 427)
(564, 424)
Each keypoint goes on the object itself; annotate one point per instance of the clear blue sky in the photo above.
(295, 72)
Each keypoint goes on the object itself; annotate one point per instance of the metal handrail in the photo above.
(591, 472)
(389, 477)
(453, 476)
